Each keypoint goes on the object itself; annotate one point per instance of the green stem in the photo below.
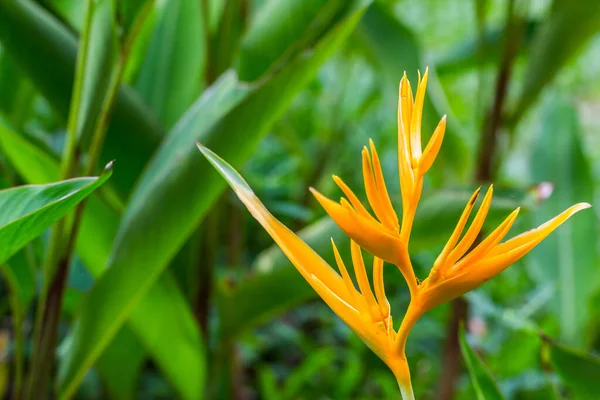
(406, 391)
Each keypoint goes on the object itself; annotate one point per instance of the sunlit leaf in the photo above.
(27, 211)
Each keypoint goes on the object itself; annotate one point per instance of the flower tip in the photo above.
(474, 196)
(582, 206)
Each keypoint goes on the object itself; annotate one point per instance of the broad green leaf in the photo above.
(171, 76)
(162, 304)
(562, 35)
(27, 211)
(568, 260)
(395, 49)
(275, 286)
(179, 187)
(483, 383)
(46, 51)
(578, 371)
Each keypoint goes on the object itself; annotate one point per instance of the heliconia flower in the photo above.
(366, 310)
(457, 270)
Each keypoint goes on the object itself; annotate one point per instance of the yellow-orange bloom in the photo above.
(457, 270)
(366, 310)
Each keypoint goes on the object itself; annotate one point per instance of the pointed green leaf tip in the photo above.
(232, 177)
(27, 211)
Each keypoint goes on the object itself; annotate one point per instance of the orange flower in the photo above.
(455, 272)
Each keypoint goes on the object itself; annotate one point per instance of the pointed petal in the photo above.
(416, 119)
(406, 110)
(353, 294)
(538, 234)
(440, 262)
(371, 187)
(363, 281)
(306, 261)
(405, 104)
(356, 203)
(372, 236)
(496, 261)
(391, 219)
(433, 147)
(488, 243)
(371, 334)
(338, 305)
(378, 286)
(465, 244)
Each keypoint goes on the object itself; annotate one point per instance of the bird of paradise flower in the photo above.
(456, 270)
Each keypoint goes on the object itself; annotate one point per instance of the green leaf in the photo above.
(171, 76)
(27, 211)
(568, 259)
(483, 383)
(163, 303)
(95, 65)
(46, 51)
(179, 187)
(395, 49)
(579, 371)
(563, 33)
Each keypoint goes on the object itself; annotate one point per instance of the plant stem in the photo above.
(406, 392)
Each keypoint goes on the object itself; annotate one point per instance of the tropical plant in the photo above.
(130, 270)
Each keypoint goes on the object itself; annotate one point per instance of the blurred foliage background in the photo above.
(164, 287)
